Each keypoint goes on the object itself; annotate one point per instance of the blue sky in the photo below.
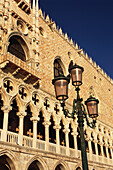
(89, 23)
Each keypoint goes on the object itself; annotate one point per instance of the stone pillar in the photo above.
(89, 145)
(6, 110)
(57, 127)
(66, 131)
(46, 124)
(21, 126)
(101, 146)
(75, 139)
(111, 150)
(106, 146)
(34, 119)
(96, 147)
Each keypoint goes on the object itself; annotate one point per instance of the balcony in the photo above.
(19, 69)
(13, 139)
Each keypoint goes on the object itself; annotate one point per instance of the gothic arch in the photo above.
(10, 158)
(41, 163)
(78, 166)
(21, 39)
(59, 60)
(20, 104)
(4, 96)
(62, 165)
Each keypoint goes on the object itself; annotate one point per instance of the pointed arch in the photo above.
(22, 43)
(58, 67)
(61, 165)
(39, 162)
(4, 96)
(9, 159)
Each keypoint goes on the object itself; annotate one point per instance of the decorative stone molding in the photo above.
(6, 108)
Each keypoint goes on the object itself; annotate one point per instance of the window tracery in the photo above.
(58, 70)
(15, 47)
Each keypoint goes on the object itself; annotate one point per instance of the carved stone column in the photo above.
(6, 110)
(21, 126)
(96, 148)
(106, 146)
(57, 128)
(46, 124)
(89, 145)
(101, 146)
(66, 131)
(34, 119)
(110, 147)
(75, 139)
(111, 150)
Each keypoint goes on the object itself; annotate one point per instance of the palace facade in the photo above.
(34, 133)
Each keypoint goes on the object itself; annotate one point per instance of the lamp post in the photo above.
(61, 89)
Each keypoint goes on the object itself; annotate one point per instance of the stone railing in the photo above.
(52, 147)
(27, 141)
(40, 144)
(62, 150)
(13, 138)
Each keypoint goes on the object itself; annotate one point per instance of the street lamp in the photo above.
(61, 89)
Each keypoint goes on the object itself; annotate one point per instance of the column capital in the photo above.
(57, 127)
(21, 114)
(88, 139)
(74, 133)
(46, 123)
(66, 130)
(95, 140)
(34, 119)
(100, 143)
(6, 108)
(106, 145)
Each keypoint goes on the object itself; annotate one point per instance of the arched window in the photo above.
(16, 47)
(58, 70)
